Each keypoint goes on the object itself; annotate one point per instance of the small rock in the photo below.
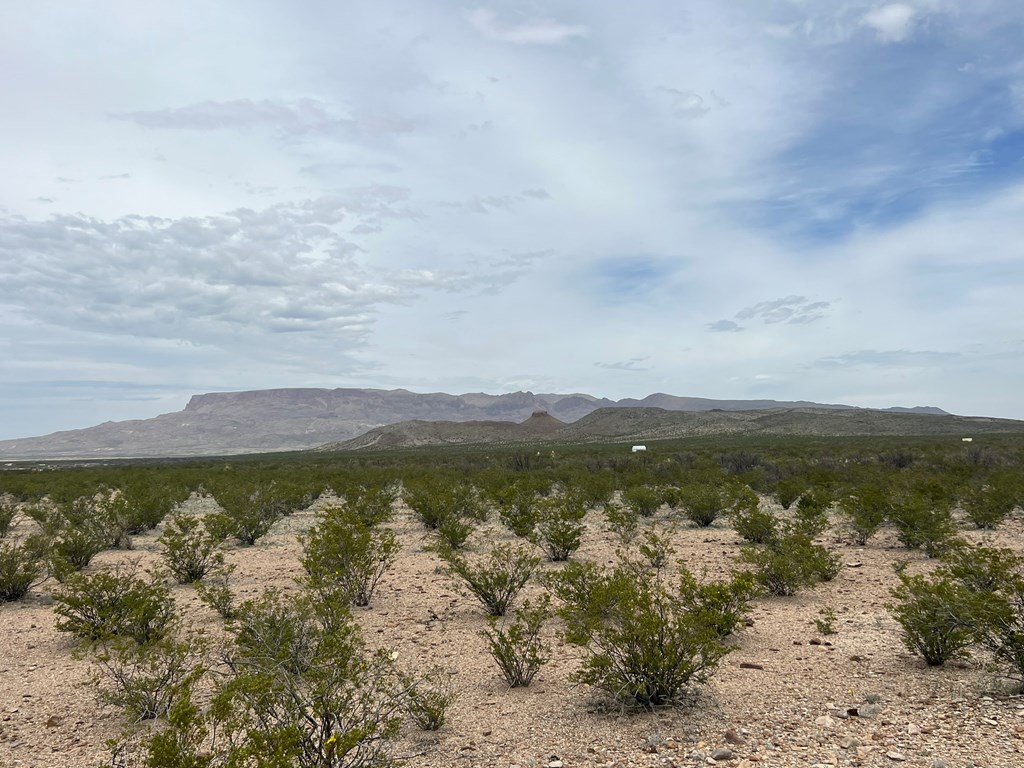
(849, 742)
(554, 762)
(824, 721)
(722, 753)
(734, 738)
(750, 665)
(53, 721)
(939, 763)
(913, 730)
(814, 641)
(897, 756)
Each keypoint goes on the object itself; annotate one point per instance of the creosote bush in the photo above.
(429, 697)
(790, 562)
(8, 511)
(344, 555)
(21, 568)
(932, 613)
(147, 680)
(865, 508)
(497, 580)
(648, 640)
(988, 505)
(190, 551)
(114, 604)
(516, 645)
(644, 500)
(559, 530)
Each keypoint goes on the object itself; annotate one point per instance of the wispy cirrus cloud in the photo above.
(302, 118)
(633, 364)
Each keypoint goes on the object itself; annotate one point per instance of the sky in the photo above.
(779, 199)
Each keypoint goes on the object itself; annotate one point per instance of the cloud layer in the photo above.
(758, 199)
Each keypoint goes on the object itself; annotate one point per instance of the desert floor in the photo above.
(786, 710)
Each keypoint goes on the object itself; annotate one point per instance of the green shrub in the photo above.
(114, 604)
(789, 490)
(190, 551)
(8, 511)
(21, 568)
(646, 640)
(811, 516)
(71, 551)
(146, 681)
(644, 500)
(826, 621)
(428, 698)
(622, 521)
(703, 503)
(454, 531)
(434, 501)
(249, 512)
(866, 509)
(790, 562)
(559, 530)
(656, 548)
(988, 505)
(299, 693)
(215, 592)
(517, 508)
(344, 554)
(516, 645)
(921, 524)
(149, 502)
(933, 616)
(496, 581)
(756, 525)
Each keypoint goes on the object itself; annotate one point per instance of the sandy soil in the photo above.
(785, 710)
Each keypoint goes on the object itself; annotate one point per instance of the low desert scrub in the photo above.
(516, 646)
(114, 604)
(989, 504)
(865, 510)
(790, 562)
(559, 530)
(497, 580)
(8, 511)
(647, 639)
(922, 523)
(932, 611)
(756, 525)
(146, 681)
(703, 503)
(644, 500)
(974, 598)
(622, 521)
(215, 592)
(190, 551)
(429, 697)
(343, 554)
(300, 693)
(21, 568)
(518, 507)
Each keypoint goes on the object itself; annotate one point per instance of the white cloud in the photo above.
(892, 23)
(537, 32)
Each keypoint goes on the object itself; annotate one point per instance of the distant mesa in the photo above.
(258, 421)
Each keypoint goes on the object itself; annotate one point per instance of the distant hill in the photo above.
(294, 419)
(641, 424)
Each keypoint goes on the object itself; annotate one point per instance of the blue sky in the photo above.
(761, 198)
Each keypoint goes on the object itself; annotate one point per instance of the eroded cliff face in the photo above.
(294, 419)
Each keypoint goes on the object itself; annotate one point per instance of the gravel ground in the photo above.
(783, 698)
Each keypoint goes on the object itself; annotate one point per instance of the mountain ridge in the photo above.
(284, 419)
